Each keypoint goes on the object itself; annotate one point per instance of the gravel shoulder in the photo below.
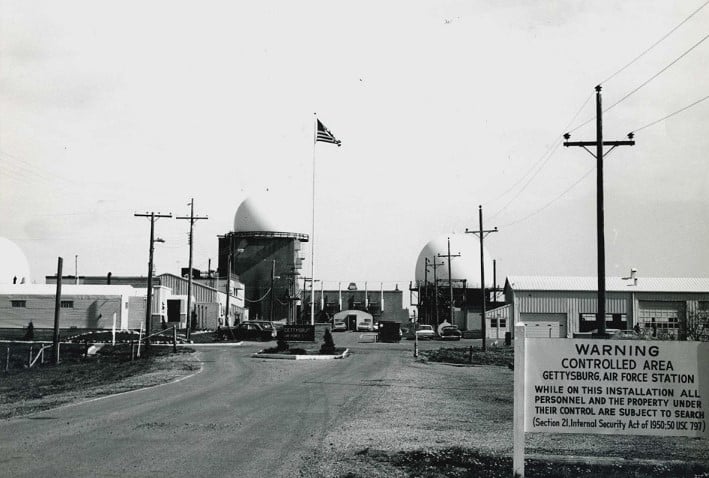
(425, 418)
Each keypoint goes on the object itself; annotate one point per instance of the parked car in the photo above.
(267, 324)
(247, 331)
(451, 333)
(339, 326)
(423, 332)
(626, 335)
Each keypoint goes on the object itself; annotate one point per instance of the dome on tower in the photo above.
(13, 263)
(269, 212)
(466, 266)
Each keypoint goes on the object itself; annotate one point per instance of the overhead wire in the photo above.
(544, 157)
(658, 73)
(550, 202)
(653, 123)
(664, 37)
(656, 43)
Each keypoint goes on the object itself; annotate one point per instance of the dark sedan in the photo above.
(247, 331)
(451, 333)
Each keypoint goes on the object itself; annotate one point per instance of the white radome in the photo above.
(467, 266)
(13, 263)
(270, 212)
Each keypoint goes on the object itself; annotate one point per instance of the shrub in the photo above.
(328, 346)
(281, 345)
(29, 335)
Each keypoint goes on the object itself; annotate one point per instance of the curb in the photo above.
(301, 357)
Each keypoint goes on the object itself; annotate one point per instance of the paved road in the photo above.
(240, 416)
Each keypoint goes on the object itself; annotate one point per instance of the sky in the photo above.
(108, 109)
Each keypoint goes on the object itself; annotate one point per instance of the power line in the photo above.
(645, 82)
(521, 190)
(547, 154)
(656, 43)
(550, 202)
(658, 73)
(670, 115)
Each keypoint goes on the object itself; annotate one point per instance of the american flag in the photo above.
(325, 135)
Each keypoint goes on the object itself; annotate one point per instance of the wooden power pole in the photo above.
(149, 303)
(600, 235)
(481, 233)
(192, 219)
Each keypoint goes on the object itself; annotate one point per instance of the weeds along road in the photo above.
(241, 416)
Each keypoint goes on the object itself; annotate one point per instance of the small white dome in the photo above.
(269, 212)
(13, 263)
(467, 266)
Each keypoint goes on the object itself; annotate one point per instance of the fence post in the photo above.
(132, 352)
(174, 339)
(7, 359)
(29, 362)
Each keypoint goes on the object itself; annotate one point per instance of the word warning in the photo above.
(616, 387)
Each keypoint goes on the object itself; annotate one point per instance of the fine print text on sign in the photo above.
(298, 333)
(616, 387)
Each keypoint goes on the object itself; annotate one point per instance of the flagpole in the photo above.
(312, 235)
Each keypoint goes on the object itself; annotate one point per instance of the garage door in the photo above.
(544, 325)
(661, 319)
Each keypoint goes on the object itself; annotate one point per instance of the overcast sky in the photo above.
(113, 108)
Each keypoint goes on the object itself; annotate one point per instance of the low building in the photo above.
(371, 297)
(664, 308)
(82, 307)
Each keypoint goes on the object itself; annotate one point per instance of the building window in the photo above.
(587, 322)
(67, 304)
(19, 303)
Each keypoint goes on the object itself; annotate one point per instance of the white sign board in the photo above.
(634, 387)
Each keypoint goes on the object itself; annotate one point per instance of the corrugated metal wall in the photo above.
(87, 312)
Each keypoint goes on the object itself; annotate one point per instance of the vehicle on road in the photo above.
(247, 331)
(365, 324)
(339, 326)
(423, 332)
(450, 333)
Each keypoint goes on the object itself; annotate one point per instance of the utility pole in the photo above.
(228, 280)
(435, 265)
(600, 234)
(148, 305)
(192, 219)
(425, 290)
(450, 280)
(57, 311)
(481, 233)
(273, 279)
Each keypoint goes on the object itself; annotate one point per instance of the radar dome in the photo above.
(13, 263)
(270, 212)
(466, 266)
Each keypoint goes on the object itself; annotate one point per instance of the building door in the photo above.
(664, 320)
(173, 310)
(544, 325)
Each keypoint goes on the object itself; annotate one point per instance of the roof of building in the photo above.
(70, 289)
(613, 284)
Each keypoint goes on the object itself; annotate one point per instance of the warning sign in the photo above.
(616, 387)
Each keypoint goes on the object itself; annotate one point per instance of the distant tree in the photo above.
(328, 346)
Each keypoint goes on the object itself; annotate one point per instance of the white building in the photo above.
(564, 306)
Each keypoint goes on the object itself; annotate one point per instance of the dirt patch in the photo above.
(431, 419)
(79, 378)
